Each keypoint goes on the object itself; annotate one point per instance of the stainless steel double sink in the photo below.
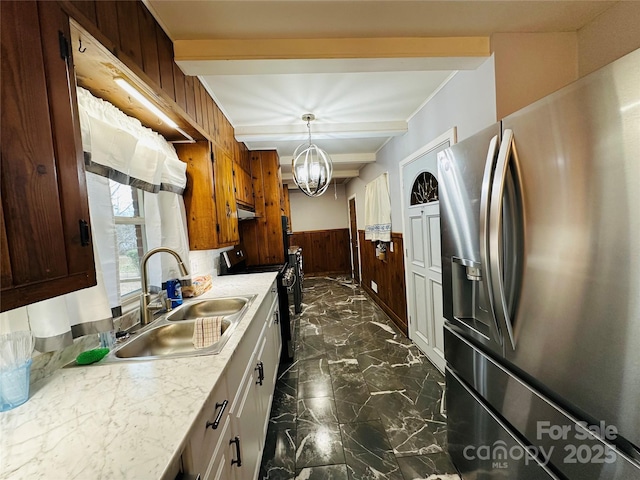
(172, 334)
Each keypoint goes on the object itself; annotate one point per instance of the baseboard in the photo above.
(394, 317)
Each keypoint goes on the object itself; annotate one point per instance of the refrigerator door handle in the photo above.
(506, 153)
(485, 254)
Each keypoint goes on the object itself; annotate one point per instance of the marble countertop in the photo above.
(118, 420)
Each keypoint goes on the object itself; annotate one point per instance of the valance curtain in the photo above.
(116, 147)
(377, 210)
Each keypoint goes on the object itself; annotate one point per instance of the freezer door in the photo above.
(465, 173)
(576, 328)
(492, 414)
(481, 445)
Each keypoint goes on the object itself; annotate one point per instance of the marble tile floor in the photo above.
(359, 401)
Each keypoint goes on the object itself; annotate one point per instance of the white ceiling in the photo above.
(359, 103)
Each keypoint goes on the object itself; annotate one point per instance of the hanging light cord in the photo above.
(309, 129)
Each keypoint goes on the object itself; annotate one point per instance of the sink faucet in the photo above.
(146, 316)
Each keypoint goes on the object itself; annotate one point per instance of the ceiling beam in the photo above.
(318, 48)
(260, 133)
(339, 158)
(287, 176)
(327, 65)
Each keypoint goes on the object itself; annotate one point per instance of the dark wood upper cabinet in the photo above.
(45, 214)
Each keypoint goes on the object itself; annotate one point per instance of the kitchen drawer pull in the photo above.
(239, 460)
(260, 369)
(216, 423)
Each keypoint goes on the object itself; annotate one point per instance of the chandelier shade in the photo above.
(311, 166)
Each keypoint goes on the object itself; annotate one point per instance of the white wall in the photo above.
(319, 213)
(467, 101)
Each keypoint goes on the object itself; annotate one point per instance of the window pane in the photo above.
(124, 200)
(130, 252)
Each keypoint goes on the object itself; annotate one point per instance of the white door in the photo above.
(421, 220)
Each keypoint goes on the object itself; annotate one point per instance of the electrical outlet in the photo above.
(374, 286)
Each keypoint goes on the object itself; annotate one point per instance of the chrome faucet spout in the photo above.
(146, 315)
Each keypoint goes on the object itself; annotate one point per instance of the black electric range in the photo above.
(233, 262)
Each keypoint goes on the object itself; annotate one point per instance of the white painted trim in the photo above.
(357, 237)
(450, 136)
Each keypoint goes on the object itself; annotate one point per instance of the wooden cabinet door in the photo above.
(212, 217)
(243, 186)
(47, 249)
(199, 196)
(225, 199)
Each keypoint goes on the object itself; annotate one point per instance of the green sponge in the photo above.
(91, 356)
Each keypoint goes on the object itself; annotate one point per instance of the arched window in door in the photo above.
(425, 189)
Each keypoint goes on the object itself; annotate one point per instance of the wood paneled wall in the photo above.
(324, 252)
(129, 31)
(388, 275)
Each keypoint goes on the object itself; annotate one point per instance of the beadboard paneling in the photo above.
(388, 275)
(324, 252)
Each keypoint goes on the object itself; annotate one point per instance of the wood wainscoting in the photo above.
(388, 274)
(324, 252)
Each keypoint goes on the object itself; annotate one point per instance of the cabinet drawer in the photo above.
(220, 464)
(206, 432)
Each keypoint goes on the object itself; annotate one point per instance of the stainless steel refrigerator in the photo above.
(540, 221)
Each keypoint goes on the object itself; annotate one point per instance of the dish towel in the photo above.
(377, 210)
(206, 331)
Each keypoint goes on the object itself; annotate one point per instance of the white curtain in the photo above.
(377, 210)
(119, 148)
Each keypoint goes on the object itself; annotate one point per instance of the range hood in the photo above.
(244, 213)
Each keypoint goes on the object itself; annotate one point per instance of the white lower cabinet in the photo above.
(227, 440)
(220, 464)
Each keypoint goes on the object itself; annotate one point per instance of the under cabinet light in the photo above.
(143, 100)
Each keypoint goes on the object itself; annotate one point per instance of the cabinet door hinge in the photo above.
(65, 51)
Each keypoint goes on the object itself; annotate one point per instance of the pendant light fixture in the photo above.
(311, 166)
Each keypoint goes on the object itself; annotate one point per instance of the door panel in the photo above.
(417, 241)
(435, 259)
(579, 298)
(421, 312)
(438, 318)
